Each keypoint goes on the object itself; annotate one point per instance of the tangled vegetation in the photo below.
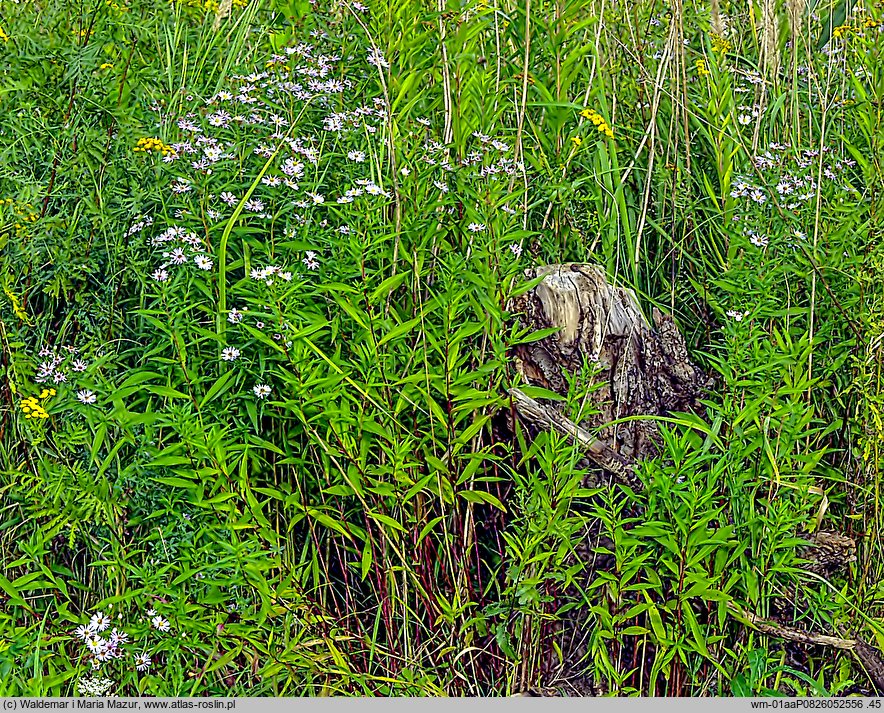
(257, 258)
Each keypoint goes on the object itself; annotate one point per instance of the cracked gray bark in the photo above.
(640, 369)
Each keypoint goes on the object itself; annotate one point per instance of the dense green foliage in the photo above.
(256, 262)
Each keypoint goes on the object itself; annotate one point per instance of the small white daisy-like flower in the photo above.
(476, 227)
(99, 621)
(259, 325)
(759, 241)
(734, 314)
(78, 365)
(83, 632)
(59, 377)
(142, 662)
(230, 353)
(160, 624)
(757, 195)
(234, 316)
(516, 250)
(357, 156)
(262, 391)
(202, 262)
(310, 261)
(86, 397)
(151, 613)
(160, 275)
(744, 119)
(317, 198)
(95, 643)
(405, 171)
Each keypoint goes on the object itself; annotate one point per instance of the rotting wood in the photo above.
(595, 450)
(639, 369)
(766, 626)
(868, 656)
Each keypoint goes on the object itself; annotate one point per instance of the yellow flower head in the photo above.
(576, 140)
(719, 44)
(147, 144)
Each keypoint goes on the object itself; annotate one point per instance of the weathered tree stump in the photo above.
(638, 370)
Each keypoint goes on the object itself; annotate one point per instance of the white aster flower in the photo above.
(310, 261)
(99, 621)
(759, 241)
(86, 397)
(160, 624)
(83, 633)
(142, 662)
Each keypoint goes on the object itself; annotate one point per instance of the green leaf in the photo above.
(168, 391)
(387, 286)
(480, 496)
(221, 384)
(386, 520)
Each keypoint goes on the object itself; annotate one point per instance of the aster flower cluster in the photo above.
(59, 366)
(188, 249)
(793, 174)
(104, 644)
(292, 147)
